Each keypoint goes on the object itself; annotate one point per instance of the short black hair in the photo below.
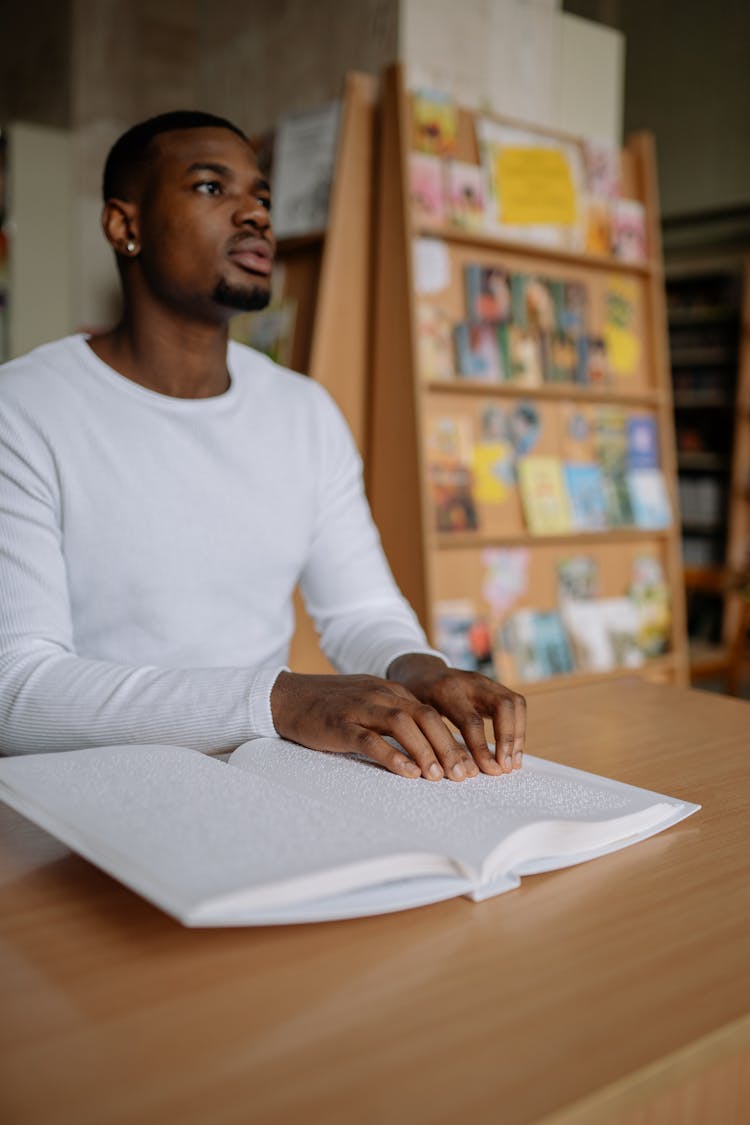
(131, 148)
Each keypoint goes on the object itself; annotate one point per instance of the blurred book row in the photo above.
(621, 486)
(527, 329)
(585, 633)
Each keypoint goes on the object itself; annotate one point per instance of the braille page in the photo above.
(543, 816)
(207, 843)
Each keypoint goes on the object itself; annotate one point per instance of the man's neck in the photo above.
(183, 360)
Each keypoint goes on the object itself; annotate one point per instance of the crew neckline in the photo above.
(145, 394)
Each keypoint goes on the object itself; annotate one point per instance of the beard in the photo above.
(249, 299)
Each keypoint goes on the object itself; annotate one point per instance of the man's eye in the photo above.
(265, 201)
(209, 187)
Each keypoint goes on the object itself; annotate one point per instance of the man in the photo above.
(162, 492)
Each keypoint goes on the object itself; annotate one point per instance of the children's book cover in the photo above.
(577, 431)
(545, 501)
(464, 636)
(597, 226)
(577, 578)
(621, 330)
(525, 350)
(487, 294)
(629, 230)
(449, 447)
(571, 301)
(643, 442)
(426, 189)
(551, 646)
(603, 633)
(561, 357)
(650, 595)
(515, 643)
(479, 354)
(586, 491)
(532, 303)
(649, 499)
(611, 445)
(466, 195)
(435, 122)
(434, 343)
(593, 362)
(601, 162)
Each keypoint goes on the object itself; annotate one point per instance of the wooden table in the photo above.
(587, 995)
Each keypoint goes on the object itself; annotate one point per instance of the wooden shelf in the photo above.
(482, 241)
(662, 666)
(711, 462)
(695, 400)
(552, 391)
(574, 539)
(680, 318)
(703, 357)
(702, 528)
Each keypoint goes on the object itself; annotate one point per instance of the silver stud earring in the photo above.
(130, 247)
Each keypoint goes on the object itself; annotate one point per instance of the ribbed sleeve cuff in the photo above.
(416, 650)
(259, 702)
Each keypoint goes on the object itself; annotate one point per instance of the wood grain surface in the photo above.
(617, 991)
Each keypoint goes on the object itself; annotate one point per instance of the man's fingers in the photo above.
(471, 725)
(422, 732)
(519, 746)
(371, 745)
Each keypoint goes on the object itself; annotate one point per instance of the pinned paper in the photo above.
(536, 186)
(432, 269)
(506, 577)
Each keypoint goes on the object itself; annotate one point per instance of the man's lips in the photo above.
(253, 255)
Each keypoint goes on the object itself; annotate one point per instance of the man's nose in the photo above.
(252, 212)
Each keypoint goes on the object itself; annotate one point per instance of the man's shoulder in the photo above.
(36, 374)
(252, 367)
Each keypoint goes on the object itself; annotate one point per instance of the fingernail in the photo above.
(435, 771)
(458, 770)
(507, 762)
(517, 760)
(411, 769)
(471, 767)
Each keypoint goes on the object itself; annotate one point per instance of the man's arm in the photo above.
(367, 627)
(51, 698)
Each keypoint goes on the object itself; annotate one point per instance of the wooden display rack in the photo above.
(432, 567)
(328, 274)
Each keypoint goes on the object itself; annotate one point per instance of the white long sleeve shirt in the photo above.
(149, 547)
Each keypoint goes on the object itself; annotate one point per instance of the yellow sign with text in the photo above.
(534, 187)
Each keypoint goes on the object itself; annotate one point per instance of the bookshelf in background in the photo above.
(709, 313)
(522, 466)
(319, 321)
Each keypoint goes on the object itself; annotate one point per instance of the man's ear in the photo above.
(120, 226)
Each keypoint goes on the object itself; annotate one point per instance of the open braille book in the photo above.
(282, 834)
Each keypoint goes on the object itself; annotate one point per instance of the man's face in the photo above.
(206, 242)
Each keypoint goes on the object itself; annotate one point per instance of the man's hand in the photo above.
(342, 714)
(467, 699)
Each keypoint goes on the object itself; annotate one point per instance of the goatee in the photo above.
(244, 300)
